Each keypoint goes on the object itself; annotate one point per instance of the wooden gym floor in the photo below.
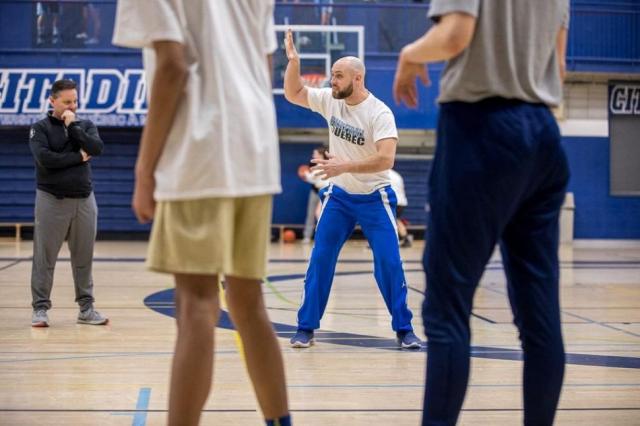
(71, 374)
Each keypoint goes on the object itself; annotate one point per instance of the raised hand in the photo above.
(292, 53)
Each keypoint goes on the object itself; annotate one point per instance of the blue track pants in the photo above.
(341, 211)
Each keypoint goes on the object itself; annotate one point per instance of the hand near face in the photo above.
(68, 117)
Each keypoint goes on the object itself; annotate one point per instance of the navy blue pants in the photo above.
(341, 211)
(499, 176)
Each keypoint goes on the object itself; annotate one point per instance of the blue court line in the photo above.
(490, 263)
(479, 308)
(94, 356)
(383, 343)
(603, 324)
(15, 262)
(490, 321)
(98, 356)
(563, 311)
(473, 314)
(140, 417)
(497, 385)
(604, 308)
(476, 410)
(309, 410)
(68, 259)
(496, 264)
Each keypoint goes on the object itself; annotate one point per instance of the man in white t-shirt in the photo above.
(362, 146)
(209, 159)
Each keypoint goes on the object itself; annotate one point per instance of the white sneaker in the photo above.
(92, 317)
(40, 318)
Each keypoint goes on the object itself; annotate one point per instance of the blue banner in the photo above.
(107, 96)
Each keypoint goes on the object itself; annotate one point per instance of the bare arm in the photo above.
(294, 91)
(169, 80)
(445, 40)
(561, 51)
(382, 160)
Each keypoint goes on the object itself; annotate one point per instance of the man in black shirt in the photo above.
(65, 206)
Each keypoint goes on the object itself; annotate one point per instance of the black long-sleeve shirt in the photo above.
(56, 149)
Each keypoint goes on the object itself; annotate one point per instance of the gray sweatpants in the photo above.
(55, 220)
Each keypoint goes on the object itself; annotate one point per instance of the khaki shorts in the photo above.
(228, 236)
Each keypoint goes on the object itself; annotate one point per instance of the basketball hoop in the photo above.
(314, 80)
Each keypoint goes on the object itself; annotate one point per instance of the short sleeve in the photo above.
(566, 17)
(384, 126)
(271, 43)
(438, 8)
(319, 100)
(141, 22)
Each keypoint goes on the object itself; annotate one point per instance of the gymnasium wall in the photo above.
(604, 38)
(597, 215)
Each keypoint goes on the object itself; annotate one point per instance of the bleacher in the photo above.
(16, 183)
(415, 173)
(112, 180)
(113, 184)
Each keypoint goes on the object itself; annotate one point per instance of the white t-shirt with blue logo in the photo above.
(224, 140)
(353, 133)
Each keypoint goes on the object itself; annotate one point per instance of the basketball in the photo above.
(288, 236)
(303, 169)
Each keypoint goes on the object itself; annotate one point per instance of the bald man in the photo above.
(362, 149)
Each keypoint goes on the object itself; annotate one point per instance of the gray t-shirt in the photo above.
(512, 53)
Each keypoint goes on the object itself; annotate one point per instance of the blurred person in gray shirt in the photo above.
(499, 177)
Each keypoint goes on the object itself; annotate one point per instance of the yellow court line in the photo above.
(236, 335)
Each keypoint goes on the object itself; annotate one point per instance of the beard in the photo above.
(341, 94)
